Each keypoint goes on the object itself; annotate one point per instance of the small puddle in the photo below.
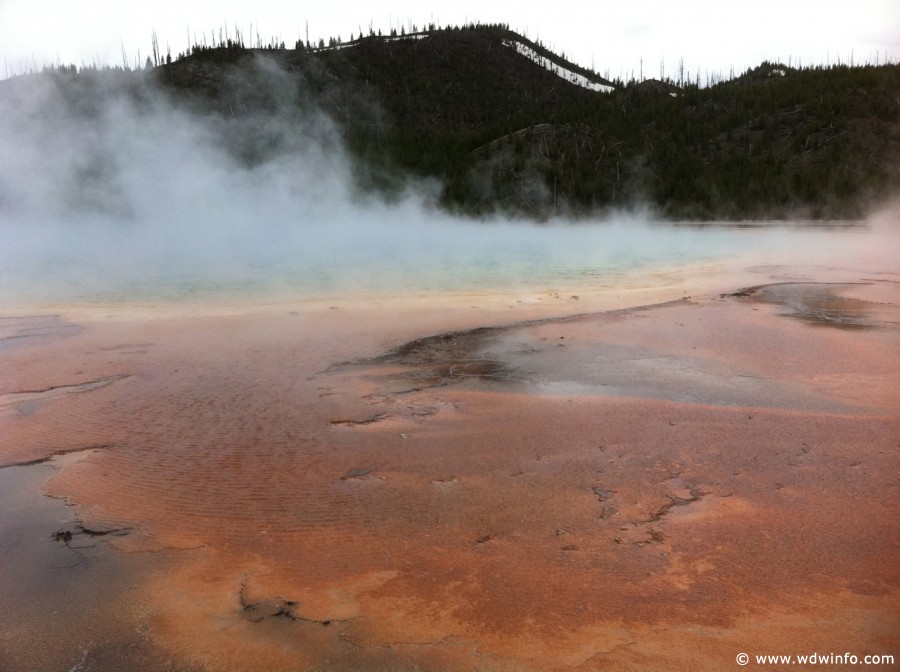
(818, 304)
(60, 577)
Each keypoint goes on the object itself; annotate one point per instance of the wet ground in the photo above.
(823, 303)
(659, 487)
(606, 355)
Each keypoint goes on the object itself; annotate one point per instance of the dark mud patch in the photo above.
(443, 359)
(418, 378)
(434, 361)
(602, 493)
(817, 304)
(79, 537)
(257, 611)
(273, 607)
(694, 495)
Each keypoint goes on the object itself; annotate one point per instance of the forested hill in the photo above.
(504, 124)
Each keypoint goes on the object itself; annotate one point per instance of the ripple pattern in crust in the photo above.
(314, 516)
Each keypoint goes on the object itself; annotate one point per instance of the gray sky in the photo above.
(713, 36)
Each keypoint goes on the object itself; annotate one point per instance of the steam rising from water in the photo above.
(235, 452)
(108, 190)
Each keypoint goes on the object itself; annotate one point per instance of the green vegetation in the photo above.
(501, 132)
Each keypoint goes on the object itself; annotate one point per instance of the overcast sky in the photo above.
(617, 37)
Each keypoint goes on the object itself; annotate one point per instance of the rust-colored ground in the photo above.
(657, 488)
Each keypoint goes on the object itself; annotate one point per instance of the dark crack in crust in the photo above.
(277, 607)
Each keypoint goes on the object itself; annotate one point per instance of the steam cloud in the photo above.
(104, 184)
(109, 189)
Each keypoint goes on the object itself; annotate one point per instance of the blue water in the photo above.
(373, 255)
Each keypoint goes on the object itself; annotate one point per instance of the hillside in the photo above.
(506, 125)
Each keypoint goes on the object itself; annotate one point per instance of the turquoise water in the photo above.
(374, 255)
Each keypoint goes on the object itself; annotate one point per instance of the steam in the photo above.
(110, 190)
(129, 185)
